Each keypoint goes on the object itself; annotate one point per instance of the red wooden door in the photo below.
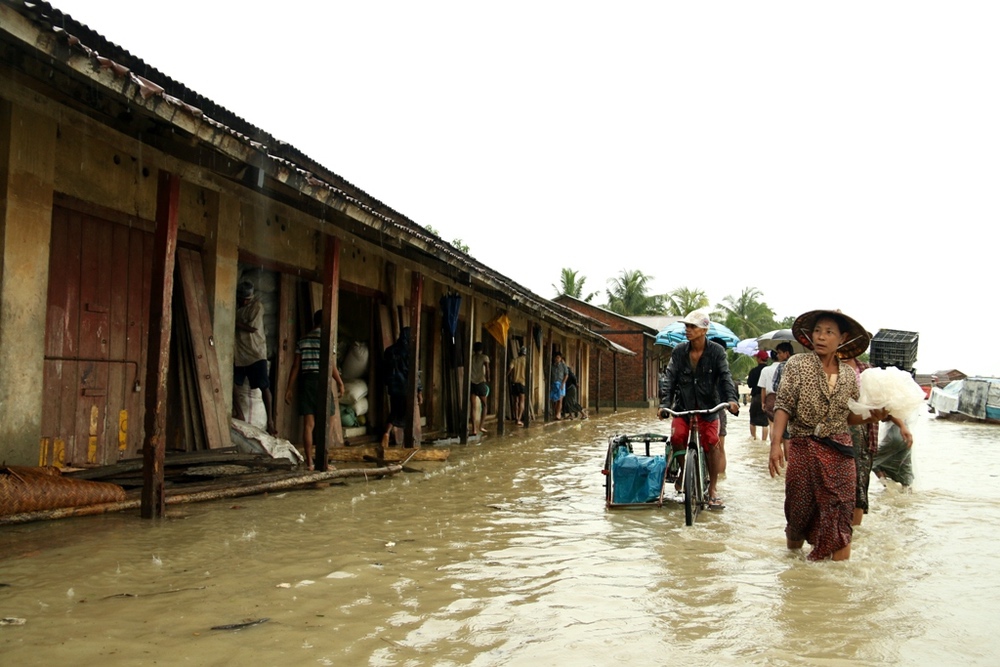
(94, 340)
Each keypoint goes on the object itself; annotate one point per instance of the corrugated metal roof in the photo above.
(289, 163)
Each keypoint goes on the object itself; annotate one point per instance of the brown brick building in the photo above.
(635, 384)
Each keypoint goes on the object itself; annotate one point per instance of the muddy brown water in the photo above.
(506, 555)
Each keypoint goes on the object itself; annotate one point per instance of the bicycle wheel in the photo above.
(692, 464)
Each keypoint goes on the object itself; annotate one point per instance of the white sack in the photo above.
(360, 406)
(353, 390)
(355, 364)
(252, 405)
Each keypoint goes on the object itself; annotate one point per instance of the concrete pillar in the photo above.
(27, 171)
(220, 259)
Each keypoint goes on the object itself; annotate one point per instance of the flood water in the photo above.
(506, 555)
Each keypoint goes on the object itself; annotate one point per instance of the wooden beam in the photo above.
(286, 420)
(328, 417)
(500, 382)
(389, 454)
(529, 342)
(414, 433)
(158, 349)
(465, 384)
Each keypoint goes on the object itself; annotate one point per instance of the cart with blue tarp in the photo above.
(640, 478)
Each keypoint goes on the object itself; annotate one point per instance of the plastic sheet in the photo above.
(888, 388)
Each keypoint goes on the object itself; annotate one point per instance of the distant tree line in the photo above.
(747, 314)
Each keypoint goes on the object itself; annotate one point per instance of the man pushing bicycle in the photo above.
(698, 378)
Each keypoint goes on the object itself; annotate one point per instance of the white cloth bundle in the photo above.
(888, 388)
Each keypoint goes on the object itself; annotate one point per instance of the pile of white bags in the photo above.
(355, 396)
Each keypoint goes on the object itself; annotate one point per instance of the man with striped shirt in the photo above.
(305, 369)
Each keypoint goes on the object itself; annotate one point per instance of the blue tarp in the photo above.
(637, 479)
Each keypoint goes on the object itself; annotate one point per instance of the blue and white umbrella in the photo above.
(673, 335)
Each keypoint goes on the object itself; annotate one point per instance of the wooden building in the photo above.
(130, 209)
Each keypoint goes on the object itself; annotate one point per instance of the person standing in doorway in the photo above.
(557, 377)
(305, 374)
(250, 351)
(518, 376)
(479, 383)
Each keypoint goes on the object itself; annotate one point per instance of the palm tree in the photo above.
(683, 300)
(747, 315)
(629, 295)
(572, 285)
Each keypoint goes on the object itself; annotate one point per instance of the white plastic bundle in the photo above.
(888, 388)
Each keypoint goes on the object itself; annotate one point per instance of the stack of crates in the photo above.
(891, 347)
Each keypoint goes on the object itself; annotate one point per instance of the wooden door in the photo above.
(96, 327)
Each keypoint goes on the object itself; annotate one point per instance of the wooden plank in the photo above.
(206, 362)
(118, 372)
(328, 410)
(389, 454)
(56, 326)
(413, 432)
(162, 288)
(385, 328)
(285, 417)
(464, 382)
(137, 327)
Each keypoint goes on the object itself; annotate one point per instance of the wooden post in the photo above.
(597, 401)
(286, 420)
(158, 347)
(500, 382)
(465, 388)
(328, 409)
(547, 359)
(528, 375)
(414, 433)
(614, 371)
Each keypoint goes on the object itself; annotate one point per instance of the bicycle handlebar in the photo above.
(686, 413)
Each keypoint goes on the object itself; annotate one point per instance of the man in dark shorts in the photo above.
(757, 415)
(305, 373)
(479, 384)
(518, 374)
(250, 351)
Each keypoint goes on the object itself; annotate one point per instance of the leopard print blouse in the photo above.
(812, 407)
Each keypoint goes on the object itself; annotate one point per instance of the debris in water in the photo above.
(240, 626)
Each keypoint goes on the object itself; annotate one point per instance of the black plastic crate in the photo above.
(892, 347)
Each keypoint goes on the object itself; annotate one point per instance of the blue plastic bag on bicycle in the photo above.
(638, 479)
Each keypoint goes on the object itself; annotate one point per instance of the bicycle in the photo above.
(694, 473)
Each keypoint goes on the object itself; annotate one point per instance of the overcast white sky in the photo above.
(833, 155)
